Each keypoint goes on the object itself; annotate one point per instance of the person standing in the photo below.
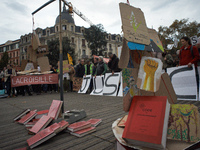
(89, 71)
(167, 61)
(71, 74)
(186, 55)
(101, 67)
(9, 72)
(80, 69)
(113, 63)
(189, 55)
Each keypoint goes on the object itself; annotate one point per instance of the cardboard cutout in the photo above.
(152, 47)
(133, 24)
(149, 74)
(77, 83)
(35, 41)
(43, 62)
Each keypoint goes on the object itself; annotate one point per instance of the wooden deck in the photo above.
(14, 136)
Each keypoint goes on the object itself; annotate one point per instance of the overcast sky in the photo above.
(16, 18)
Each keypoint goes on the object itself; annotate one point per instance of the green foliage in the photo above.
(95, 36)
(4, 60)
(54, 51)
(177, 30)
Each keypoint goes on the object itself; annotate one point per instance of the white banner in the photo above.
(111, 84)
(184, 82)
(85, 84)
(98, 84)
(120, 92)
(194, 40)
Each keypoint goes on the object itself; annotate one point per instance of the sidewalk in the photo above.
(107, 108)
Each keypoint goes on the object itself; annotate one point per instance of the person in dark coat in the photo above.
(80, 69)
(113, 63)
(101, 67)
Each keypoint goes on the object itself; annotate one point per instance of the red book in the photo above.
(147, 122)
(122, 122)
(55, 127)
(41, 124)
(79, 126)
(23, 113)
(28, 117)
(41, 113)
(54, 109)
(63, 124)
(95, 122)
(83, 132)
(41, 137)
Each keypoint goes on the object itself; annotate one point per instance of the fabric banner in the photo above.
(98, 84)
(31, 79)
(85, 84)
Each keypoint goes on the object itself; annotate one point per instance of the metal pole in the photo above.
(61, 60)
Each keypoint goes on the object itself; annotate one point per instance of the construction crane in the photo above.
(71, 10)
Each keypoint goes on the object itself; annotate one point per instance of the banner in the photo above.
(184, 82)
(98, 84)
(85, 84)
(31, 79)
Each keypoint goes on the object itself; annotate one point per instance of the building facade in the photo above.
(70, 30)
(12, 47)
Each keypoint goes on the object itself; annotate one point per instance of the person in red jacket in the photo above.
(186, 56)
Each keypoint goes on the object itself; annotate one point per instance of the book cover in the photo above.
(84, 132)
(147, 121)
(41, 113)
(79, 126)
(41, 137)
(41, 124)
(56, 128)
(53, 110)
(24, 112)
(95, 122)
(184, 123)
(63, 124)
(122, 122)
(28, 117)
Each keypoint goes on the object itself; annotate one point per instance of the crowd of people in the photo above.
(188, 55)
(94, 67)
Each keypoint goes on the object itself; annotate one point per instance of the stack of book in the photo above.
(23, 113)
(28, 117)
(46, 134)
(83, 128)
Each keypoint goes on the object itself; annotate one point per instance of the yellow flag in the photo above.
(70, 59)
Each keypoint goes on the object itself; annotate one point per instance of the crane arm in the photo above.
(47, 3)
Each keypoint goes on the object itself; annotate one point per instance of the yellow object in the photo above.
(150, 68)
(70, 59)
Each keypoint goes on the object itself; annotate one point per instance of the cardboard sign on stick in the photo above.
(65, 66)
(149, 74)
(153, 35)
(111, 84)
(85, 84)
(35, 41)
(43, 62)
(123, 62)
(134, 24)
(98, 84)
(183, 80)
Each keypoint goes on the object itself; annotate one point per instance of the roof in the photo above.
(65, 16)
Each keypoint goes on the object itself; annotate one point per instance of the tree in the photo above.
(54, 50)
(4, 60)
(177, 30)
(95, 36)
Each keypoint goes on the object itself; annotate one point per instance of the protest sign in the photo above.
(111, 84)
(43, 62)
(77, 83)
(98, 84)
(65, 66)
(85, 84)
(120, 91)
(29, 66)
(34, 79)
(149, 74)
(134, 24)
(184, 82)
(194, 40)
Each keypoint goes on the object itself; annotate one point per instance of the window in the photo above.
(56, 28)
(83, 42)
(72, 40)
(26, 39)
(4, 49)
(17, 46)
(48, 33)
(110, 47)
(83, 52)
(64, 27)
(13, 54)
(72, 28)
(109, 38)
